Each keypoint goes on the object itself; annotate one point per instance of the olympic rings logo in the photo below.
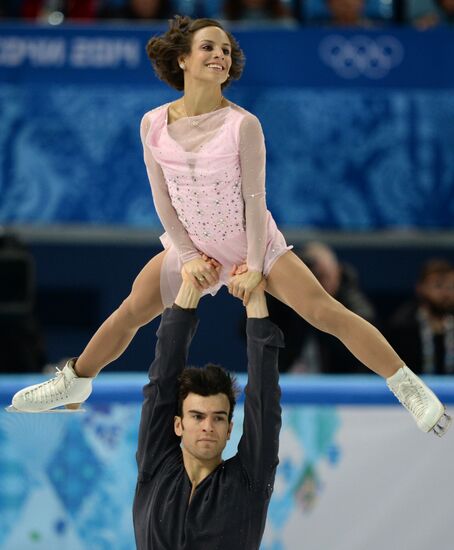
(361, 55)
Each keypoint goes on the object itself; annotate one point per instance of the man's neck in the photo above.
(197, 469)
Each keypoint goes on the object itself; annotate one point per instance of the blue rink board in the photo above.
(296, 389)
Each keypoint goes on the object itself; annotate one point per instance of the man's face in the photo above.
(434, 292)
(204, 428)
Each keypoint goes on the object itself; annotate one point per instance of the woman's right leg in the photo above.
(72, 385)
(112, 338)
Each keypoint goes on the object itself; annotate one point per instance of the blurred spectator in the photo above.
(347, 13)
(306, 348)
(422, 331)
(257, 10)
(425, 14)
(445, 11)
(212, 9)
(52, 11)
(135, 9)
(21, 346)
(450, 291)
(10, 8)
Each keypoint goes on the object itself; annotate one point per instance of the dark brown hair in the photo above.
(209, 380)
(165, 50)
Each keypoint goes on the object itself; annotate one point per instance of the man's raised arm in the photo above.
(259, 445)
(175, 333)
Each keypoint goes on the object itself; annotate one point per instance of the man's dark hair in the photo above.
(206, 381)
(434, 267)
(165, 50)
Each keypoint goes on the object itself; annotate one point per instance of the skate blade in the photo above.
(442, 426)
(12, 409)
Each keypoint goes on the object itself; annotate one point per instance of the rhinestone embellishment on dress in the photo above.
(223, 199)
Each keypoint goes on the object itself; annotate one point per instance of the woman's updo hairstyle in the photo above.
(165, 50)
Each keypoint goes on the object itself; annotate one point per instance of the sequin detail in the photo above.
(208, 210)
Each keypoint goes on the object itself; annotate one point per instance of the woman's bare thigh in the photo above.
(145, 297)
(292, 282)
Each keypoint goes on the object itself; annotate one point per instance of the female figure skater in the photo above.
(205, 159)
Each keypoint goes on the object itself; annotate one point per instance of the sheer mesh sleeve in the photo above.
(166, 212)
(252, 159)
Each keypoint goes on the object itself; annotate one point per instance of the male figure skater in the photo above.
(187, 497)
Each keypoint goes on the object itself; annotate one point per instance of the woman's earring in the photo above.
(182, 66)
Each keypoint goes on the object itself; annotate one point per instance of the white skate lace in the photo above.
(412, 396)
(54, 389)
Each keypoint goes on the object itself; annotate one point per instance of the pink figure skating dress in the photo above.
(207, 176)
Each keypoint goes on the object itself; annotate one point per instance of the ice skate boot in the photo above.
(420, 401)
(66, 389)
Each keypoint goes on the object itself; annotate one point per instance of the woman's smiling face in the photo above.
(211, 56)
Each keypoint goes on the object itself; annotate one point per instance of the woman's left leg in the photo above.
(291, 282)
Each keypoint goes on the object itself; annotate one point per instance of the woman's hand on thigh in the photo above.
(242, 283)
(201, 272)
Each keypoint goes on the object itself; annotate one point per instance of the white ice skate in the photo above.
(66, 389)
(420, 401)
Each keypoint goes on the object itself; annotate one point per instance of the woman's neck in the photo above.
(201, 100)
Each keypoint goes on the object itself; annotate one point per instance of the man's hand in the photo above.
(243, 282)
(201, 272)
